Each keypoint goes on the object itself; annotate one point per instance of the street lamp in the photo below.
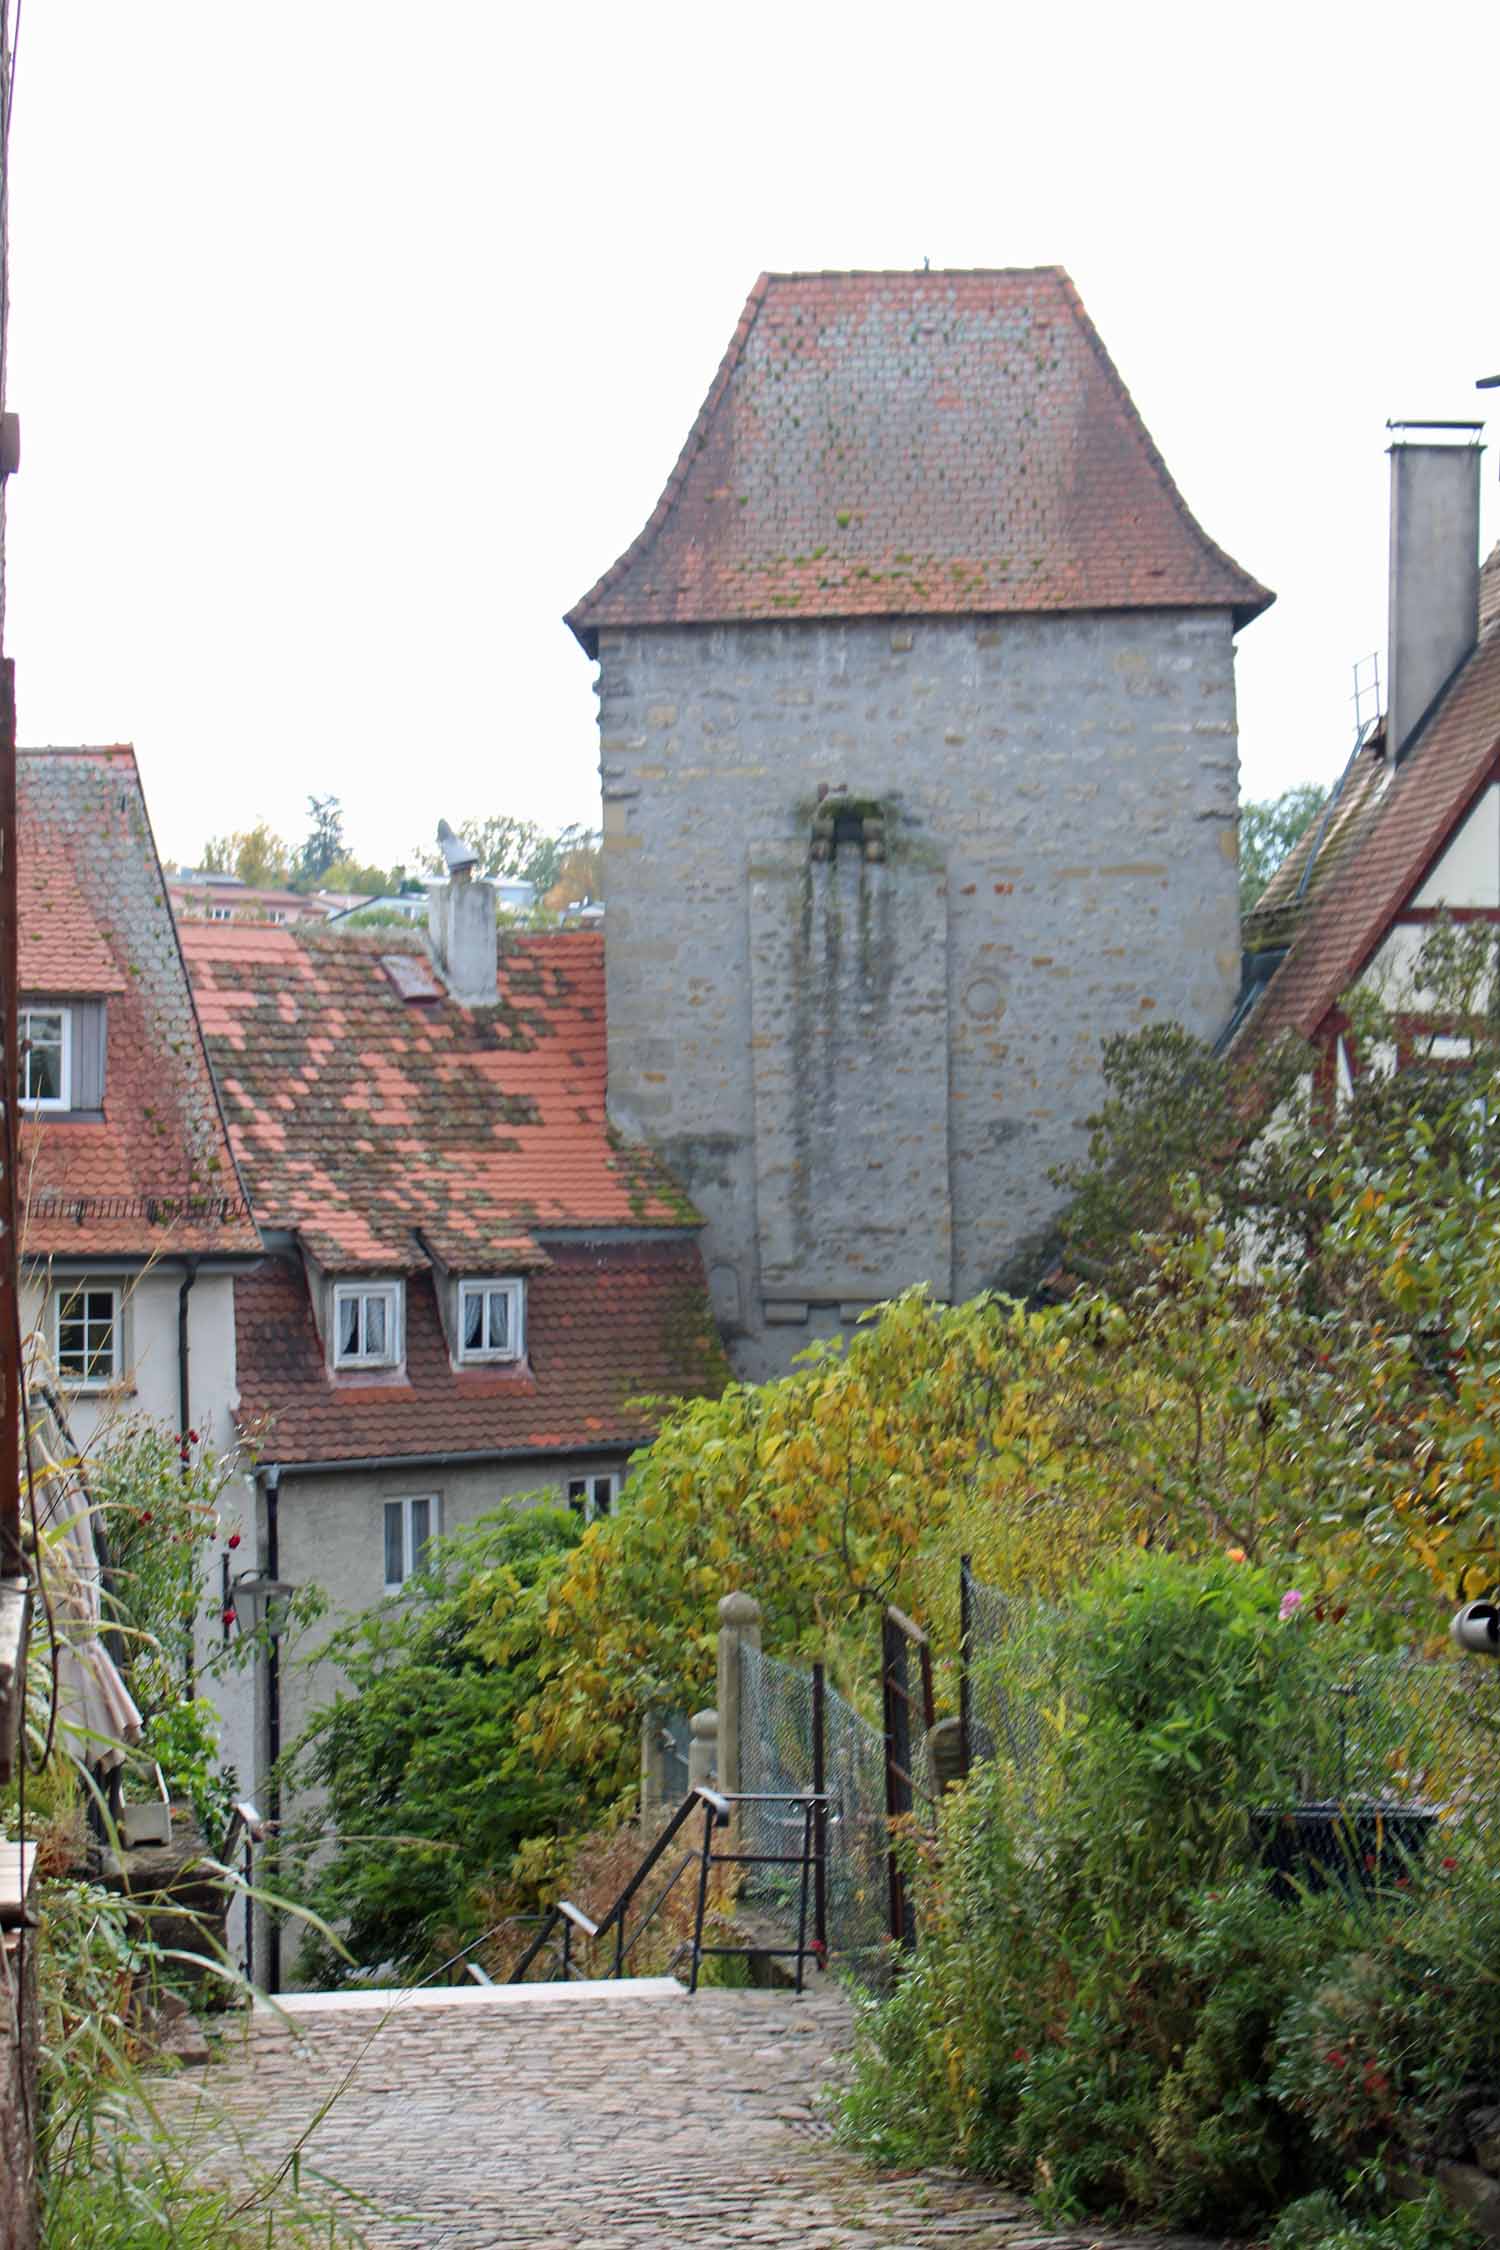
(259, 1601)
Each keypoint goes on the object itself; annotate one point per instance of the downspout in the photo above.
(184, 1424)
(184, 1392)
(273, 1735)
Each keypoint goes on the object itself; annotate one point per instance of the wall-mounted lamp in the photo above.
(259, 1601)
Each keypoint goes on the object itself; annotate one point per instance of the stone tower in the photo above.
(920, 778)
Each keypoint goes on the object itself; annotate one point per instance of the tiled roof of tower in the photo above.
(154, 1173)
(881, 444)
(609, 1327)
(361, 1117)
(1400, 840)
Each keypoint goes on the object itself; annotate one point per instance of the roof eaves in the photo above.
(1256, 598)
(578, 617)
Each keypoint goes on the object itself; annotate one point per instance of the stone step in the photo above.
(383, 1999)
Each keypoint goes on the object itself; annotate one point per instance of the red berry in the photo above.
(227, 1617)
(234, 1539)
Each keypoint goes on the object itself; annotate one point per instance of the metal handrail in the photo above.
(614, 1918)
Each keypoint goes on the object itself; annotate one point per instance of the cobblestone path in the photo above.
(603, 2123)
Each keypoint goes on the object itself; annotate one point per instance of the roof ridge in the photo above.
(1262, 596)
(646, 537)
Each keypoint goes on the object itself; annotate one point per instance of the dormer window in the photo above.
(491, 1320)
(46, 1057)
(366, 1324)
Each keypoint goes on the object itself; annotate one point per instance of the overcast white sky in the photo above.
(352, 341)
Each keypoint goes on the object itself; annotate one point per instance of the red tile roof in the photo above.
(156, 1175)
(61, 950)
(608, 1324)
(902, 443)
(1403, 836)
(360, 1117)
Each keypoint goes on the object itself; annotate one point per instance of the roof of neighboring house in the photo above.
(878, 444)
(1405, 824)
(363, 1118)
(608, 1326)
(155, 1174)
(1320, 850)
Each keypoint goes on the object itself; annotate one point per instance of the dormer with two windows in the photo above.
(363, 1319)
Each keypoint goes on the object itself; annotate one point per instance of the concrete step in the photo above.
(382, 2000)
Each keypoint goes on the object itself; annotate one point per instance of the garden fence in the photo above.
(1401, 1748)
(779, 1752)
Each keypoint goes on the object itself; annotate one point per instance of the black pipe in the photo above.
(273, 1732)
(184, 1396)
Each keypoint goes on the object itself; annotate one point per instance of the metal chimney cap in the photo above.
(460, 858)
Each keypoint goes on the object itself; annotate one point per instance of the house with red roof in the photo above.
(134, 1216)
(920, 779)
(474, 1287)
(1412, 831)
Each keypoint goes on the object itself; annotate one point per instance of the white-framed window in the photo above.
(590, 1497)
(366, 1323)
(409, 1524)
(221, 914)
(89, 1343)
(491, 1319)
(46, 1044)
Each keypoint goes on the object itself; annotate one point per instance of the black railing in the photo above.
(566, 1922)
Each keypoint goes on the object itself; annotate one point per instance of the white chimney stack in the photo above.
(1434, 590)
(461, 925)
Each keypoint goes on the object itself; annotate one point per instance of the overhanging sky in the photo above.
(351, 342)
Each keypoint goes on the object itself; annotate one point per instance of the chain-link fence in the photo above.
(778, 1752)
(1400, 1748)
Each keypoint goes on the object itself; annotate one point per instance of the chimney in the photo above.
(461, 930)
(1434, 619)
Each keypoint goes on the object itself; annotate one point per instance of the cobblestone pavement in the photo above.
(603, 2123)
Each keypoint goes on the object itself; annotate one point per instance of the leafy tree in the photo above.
(257, 855)
(323, 846)
(519, 849)
(360, 880)
(1269, 827)
(429, 1795)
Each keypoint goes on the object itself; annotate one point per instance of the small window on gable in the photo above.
(591, 1497)
(89, 1348)
(46, 1044)
(491, 1320)
(409, 1525)
(366, 1324)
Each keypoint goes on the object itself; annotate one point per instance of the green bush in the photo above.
(1109, 2008)
(425, 1793)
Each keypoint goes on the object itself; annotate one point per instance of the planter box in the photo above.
(1363, 1844)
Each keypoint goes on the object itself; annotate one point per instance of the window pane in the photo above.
(421, 1530)
(395, 1570)
(41, 1067)
(603, 1493)
(578, 1492)
(473, 1321)
(348, 1344)
(374, 1327)
(499, 1305)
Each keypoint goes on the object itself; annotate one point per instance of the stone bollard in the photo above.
(653, 1771)
(739, 1625)
(703, 1750)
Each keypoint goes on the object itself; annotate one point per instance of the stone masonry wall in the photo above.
(862, 1071)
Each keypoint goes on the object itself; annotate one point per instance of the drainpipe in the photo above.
(184, 1393)
(185, 1423)
(273, 1735)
